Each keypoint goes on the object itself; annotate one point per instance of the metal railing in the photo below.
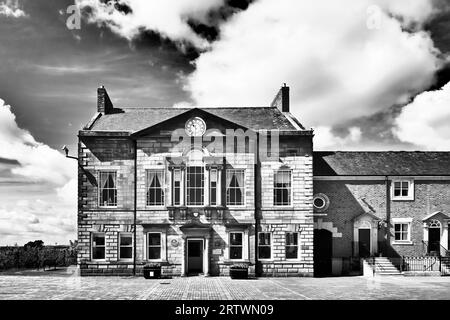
(421, 264)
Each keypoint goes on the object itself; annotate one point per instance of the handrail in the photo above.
(443, 252)
(425, 244)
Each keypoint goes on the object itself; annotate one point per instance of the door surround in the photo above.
(437, 220)
(366, 221)
(205, 260)
(202, 250)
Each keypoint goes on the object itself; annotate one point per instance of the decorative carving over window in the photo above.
(434, 224)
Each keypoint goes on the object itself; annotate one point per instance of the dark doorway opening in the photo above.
(364, 243)
(323, 250)
(195, 257)
(434, 241)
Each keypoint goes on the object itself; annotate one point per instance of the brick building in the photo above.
(198, 190)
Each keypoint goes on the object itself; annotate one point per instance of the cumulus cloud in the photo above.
(425, 121)
(325, 139)
(38, 162)
(11, 8)
(41, 201)
(339, 66)
(168, 18)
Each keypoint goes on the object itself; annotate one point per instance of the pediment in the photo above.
(215, 125)
(437, 214)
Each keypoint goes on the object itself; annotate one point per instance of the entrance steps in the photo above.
(380, 266)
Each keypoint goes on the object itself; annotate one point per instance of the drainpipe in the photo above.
(135, 206)
(257, 200)
(388, 214)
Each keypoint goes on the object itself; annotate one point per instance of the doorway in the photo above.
(195, 256)
(364, 243)
(434, 241)
(323, 250)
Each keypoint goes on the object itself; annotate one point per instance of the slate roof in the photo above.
(381, 163)
(137, 119)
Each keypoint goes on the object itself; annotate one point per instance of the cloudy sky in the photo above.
(365, 74)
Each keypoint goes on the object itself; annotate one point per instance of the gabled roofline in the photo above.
(148, 129)
(434, 214)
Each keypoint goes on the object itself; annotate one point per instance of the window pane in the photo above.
(235, 252)
(126, 240)
(235, 187)
(154, 239)
(99, 240)
(155, 187)
(291, 252)
(264, 252)
(264, 238)
(195, 186)
(397, 227)
(99, 253)
(126, 252)
(108, 191)
(282, 188)
(236, 239)
(291, 239)
(154, 253)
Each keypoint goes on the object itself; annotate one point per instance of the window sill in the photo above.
(109, 207)
(402, 199)
(228, 261)
(404, 243)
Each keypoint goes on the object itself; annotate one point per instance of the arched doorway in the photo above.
(323, 250)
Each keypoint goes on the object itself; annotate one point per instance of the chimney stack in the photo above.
(281, 100)
(104, 104)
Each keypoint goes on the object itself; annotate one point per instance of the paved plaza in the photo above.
(65, 284)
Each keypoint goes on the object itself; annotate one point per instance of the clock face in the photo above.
(195, 127)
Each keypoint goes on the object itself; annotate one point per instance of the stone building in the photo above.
(198, 190)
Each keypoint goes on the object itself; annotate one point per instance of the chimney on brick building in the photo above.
(281, 100)
(104, 104)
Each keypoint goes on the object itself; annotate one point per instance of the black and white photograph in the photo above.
(223, 155)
